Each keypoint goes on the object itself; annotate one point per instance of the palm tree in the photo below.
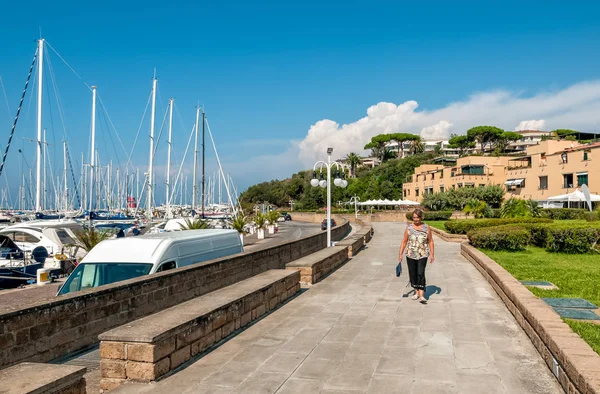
(272, 217)
(260, 220)
(87, 238)
(353, 161)
(194, 224)
(239, 224)
(417, 146)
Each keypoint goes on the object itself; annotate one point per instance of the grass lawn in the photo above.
(439, 224)
(577, 276)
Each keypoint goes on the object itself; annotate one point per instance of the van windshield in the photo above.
(90, 275)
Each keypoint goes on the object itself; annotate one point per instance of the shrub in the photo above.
(572, 239)
(432, 215)
(464, 226)
(591, 216)
(456, 199)
(511, 238)
(493, 214)
(477, 208)
(564, 213)
(516, 208)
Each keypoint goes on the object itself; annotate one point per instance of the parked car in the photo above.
(324, 224)
(287, 217)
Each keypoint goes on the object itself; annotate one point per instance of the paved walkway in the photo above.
(355, 333)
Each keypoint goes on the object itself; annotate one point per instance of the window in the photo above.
(167, 266)
(441, 189)
(472, 170)
(433, 176)
(459, 185)
(544, 182)
(90, 275)
(442, 174)
(585, 155)
(567, 180)
(417, 192)
(564, 158)
(19, 236)
(482, 185)
(405, 194)
(65, 238)
(582, 179)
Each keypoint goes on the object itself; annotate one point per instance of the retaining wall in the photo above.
(48, 330)
(570, 358)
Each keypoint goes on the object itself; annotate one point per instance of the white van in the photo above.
(120, 259)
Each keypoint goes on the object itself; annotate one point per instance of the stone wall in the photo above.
(48, 330)
(573, 362)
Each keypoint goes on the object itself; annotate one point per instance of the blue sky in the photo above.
(266, 72)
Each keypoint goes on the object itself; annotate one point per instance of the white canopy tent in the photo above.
(388, 203)
(577, 196)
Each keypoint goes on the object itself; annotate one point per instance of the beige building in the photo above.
(554, 168)
(470, 171)
(549, 168)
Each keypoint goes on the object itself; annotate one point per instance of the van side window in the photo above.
(167, 266)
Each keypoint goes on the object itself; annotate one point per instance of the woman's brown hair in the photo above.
(419, 213)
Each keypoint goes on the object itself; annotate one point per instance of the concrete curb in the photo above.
(572, 361)
(447, 236)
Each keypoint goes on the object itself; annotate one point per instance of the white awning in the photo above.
(509, 183)
(518, 181)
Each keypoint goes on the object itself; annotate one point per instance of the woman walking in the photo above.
(419, 245)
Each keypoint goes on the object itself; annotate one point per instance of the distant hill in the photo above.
(382, 182)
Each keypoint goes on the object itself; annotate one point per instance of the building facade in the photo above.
(548, 168)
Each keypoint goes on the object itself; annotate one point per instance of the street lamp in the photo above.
(326, 183)
(355, 199)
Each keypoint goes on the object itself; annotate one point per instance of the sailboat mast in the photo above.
(38, 169)
(66, 203)
(151, 164)
(194, 185)
(93, 153)
(168, 183)
(203, 167)
(45, 190)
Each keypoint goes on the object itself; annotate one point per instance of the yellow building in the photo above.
(554, 168)
(470, 171)
(548, 169)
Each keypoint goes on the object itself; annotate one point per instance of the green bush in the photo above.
(432, 215)
(494, 214)
(511, 238)
(564, 213)
(464, 226)
(568, 239)
(592, 216)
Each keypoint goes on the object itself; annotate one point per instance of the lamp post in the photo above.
(355, 199)
(338, 181)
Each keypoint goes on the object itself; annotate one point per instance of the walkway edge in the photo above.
(447, 236)
(572, 361)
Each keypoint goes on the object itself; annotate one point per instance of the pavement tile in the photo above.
(261, 382)
(301, 386)
(282, 362)
(353, 373)
(397, 361)
(390, 384)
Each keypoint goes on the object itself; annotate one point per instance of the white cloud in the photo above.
(575, 107)
(531, 125)
(438, 131)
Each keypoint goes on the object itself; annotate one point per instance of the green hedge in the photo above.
(554, 237)
(572, 239)
(432, 215)
(511, 238)
(564, 213)
(464, 226)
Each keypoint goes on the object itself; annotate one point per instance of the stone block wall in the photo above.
(572, 361)
(123, 360)
(43, 379)
(48, 330)
(314, 267)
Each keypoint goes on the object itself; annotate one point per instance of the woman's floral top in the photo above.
(418, 246)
